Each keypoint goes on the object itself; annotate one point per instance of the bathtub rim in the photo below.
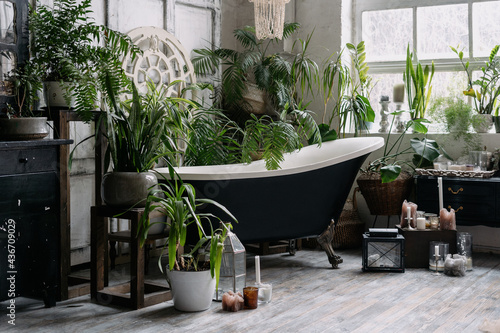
(234, 171)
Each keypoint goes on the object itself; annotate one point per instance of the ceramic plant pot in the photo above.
(191, 291)
(127, 189)
(482, 123)
(20, 129)
(496, 121)
(54, 94)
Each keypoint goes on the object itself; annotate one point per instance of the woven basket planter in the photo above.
(385, 199)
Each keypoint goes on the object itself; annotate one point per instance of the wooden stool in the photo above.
(137, 294)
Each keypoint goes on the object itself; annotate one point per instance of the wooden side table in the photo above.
(137, 294)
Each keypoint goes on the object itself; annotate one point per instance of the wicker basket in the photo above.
(349, 229)
(385, 199)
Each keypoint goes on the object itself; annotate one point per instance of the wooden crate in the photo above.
(417, 245)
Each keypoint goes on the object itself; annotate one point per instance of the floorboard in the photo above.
(308, 296)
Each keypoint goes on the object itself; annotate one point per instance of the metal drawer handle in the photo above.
(23, 160)
(456, 210)
(453, 192)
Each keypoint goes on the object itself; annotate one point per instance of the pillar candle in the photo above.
(440, 188)
(421, 223)
(436, 250)
(399, 93)
(257, 269)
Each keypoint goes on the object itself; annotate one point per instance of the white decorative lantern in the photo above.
(233, 267)
(269, 18)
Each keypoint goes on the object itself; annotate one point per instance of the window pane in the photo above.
(7, 34)
(486, 25)
(438, 28)
(387, 33)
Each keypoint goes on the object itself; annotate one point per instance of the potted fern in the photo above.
(192, 277)
(74, 53)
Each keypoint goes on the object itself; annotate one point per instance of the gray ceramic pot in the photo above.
(496, 121)
(127, 189)
(19, 129)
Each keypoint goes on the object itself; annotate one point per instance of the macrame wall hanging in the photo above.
(269, 18)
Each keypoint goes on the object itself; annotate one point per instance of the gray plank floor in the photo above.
(308, 296)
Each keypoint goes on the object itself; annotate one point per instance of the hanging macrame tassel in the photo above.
(269, 18)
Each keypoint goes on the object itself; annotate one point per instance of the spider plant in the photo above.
(178, 201)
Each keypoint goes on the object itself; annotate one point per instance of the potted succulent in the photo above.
(75, 53)
(485, 90)
(19, 121)
(192, 277)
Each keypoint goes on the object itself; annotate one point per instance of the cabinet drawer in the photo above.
(29, 193)
(456, 190)
(28, 160)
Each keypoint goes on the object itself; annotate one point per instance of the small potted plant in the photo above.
(73, 53)
(19, 122)
(135, 130)
(485, 90)
(192, 277)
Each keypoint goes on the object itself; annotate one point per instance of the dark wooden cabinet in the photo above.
(476, 201)
(30, 228)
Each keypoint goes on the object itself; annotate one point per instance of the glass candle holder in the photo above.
(434, 222)
(464, 247)
(437, 255)
(251, 297)
(265, 292)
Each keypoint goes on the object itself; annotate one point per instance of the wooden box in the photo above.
(417, 245)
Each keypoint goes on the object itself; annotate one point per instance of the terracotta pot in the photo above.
(127, 189)
(19, 129)
(385, 198)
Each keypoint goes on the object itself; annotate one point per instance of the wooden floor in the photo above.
(308, 296)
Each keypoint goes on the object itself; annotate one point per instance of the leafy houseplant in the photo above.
(485, 90)
(135, 130)
(19, 121)
(418, 86)
(276, 75)
(178, 201)
(69, 47)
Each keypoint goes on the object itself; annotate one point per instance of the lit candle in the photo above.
(440, 187)
(436, 250)
(399, 93)
(257, 269)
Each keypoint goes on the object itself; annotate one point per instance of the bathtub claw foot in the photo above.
(325, 240)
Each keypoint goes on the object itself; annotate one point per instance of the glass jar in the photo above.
(441, 249)
(464, 247)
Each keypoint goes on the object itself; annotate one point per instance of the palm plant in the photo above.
(272, 73)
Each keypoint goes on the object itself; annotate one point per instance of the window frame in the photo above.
(393, 67)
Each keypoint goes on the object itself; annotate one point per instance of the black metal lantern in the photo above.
(383, 252)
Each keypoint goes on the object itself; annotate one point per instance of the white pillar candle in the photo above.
(420, 223)
(440, 187)
(408, 214)
(398, 94)
(436, 250)
(257, 269)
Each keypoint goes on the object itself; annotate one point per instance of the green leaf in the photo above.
(389, 173)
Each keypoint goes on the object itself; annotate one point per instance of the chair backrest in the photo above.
(164, 60)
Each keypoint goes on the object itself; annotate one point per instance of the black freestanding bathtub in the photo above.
(299, 200)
